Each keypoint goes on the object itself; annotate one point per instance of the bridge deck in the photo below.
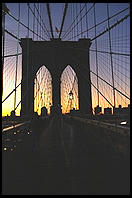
(65, 158)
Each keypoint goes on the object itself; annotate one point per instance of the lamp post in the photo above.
(71, 98)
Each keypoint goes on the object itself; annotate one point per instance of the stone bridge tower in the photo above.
(55, 55)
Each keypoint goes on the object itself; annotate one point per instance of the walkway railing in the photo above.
(113, 127)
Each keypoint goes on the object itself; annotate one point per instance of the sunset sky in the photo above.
(120, 41)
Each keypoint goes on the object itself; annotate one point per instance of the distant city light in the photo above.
(14, 133)
(124, 122)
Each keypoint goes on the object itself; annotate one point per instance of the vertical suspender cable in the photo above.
(63, 19)
(72, 16)
(3, 39)
(86, 19)
(27, 52)
(17, 55)
(40, 20)
(111, 56)
(28, 21)
(77, 21)
(33, 21)
(73, 19)
(50, 21)
(81, 21)
(96, 56)
(37, 21)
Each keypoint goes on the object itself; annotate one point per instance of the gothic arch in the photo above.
(42, 89)
(69, 83)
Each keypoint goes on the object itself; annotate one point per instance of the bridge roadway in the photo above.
(65, 157)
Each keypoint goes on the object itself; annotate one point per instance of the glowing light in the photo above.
(71, 95)
(7, 140)
(123, 122)
(14, 133)
(5, 149)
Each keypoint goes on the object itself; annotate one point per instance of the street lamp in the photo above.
(71, 97)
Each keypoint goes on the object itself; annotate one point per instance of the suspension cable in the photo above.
(17, 54)
(111, 56)
(50, 21)
(79, 22)
(96, 59)
(104, 22)
(63, 19)
(73, 21)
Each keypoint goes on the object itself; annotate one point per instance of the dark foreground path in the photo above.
(68, 158)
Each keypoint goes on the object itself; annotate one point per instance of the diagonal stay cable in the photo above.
(79, 21)
(12, 91)
(102, 94)
(63, 19)
(38, 20)
(73, 21)
(23, 26)
(42, 21)
(107, 83)
(84, 66)
(110, 85)
(100, 23)
(24, 95)
(111, 27)
(50, 21)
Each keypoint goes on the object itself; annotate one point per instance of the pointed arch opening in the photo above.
(69, 90)
(42, 91)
